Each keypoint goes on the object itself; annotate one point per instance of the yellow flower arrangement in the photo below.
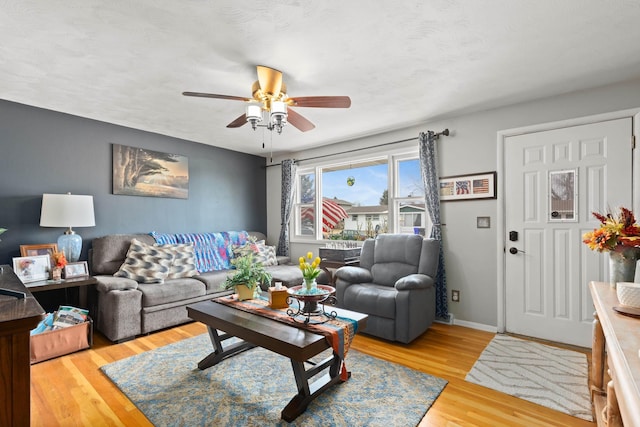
(309, 267)
(617, 232)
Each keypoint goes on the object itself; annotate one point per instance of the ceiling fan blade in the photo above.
(299, 121)
(320, 101)
(213, 95)
(270, 80)
(238, 122)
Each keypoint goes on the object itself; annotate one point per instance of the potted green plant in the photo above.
(247, 276)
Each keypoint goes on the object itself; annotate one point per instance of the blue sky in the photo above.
(370, 182)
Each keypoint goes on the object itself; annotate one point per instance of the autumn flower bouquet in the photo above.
(620, 236)
(617, 232)
(59, 259)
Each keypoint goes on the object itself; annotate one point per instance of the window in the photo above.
(355, 200)
(305, 208)
(409, 198)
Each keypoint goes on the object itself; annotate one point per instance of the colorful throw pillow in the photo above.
(145, 263)
(250, 246)
(184, 260)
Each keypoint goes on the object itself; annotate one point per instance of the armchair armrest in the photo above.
(111, 283)
(414, 281)
(283, 260)
(354, 274)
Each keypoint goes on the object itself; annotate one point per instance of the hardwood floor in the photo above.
(72, 391)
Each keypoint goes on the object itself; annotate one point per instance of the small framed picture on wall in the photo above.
(468, 187)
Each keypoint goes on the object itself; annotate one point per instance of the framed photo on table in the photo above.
(35, 250)
(468, 187)
(32, 268)
(76, 269)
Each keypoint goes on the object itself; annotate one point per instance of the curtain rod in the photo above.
(437, 135)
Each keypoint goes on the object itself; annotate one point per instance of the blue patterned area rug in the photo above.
(252, 388)
(549, 376)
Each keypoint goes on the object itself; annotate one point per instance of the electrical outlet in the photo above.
(455, 296)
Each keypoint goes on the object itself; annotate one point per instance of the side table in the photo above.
(82, 283)
(336, 258)
(615, 362)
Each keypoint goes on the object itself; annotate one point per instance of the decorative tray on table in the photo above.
(311, 304)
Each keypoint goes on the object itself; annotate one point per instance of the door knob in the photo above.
(514, 251)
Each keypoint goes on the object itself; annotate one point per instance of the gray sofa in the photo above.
(126, 308)
(394, 285)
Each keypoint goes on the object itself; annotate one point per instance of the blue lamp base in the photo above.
(71, 245)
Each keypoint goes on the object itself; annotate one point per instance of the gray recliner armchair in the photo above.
(394, 285)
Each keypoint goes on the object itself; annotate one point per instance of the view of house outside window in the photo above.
(355, 200)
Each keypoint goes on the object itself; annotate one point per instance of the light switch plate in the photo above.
(483, 222)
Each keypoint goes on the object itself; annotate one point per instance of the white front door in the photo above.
(553, 181)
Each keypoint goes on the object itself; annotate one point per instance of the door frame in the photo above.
(633, 113)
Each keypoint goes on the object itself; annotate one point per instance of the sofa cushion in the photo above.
(372, 299)
(213, 280)
(145, 263)
(289, 275)
(170, 291)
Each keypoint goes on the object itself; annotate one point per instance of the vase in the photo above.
(622, 266)
(244, 292)
(310, 285)
(56, 274)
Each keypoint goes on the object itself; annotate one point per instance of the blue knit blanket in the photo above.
(214, 251)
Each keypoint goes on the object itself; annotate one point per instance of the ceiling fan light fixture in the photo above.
(254, 115)
(278, 115)
(268, 106)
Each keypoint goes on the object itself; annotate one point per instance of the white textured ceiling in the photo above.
(401, 62)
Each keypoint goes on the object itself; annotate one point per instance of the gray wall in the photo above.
(471, 253)
(42, 151)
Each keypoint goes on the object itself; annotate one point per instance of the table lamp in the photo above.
(67, 210)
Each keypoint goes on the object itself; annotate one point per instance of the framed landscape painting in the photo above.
(143, 172)
(468, 187)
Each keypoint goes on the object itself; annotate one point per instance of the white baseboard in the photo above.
(474, 325)
(448, 321)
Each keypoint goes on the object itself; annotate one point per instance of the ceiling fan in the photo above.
(269, 96)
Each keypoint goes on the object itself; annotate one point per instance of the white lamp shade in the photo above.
(278, 110)
(67, 210)
(254, 112)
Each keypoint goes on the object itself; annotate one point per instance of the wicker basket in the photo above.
(628, 294)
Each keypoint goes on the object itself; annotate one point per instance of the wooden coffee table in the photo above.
(298, 344)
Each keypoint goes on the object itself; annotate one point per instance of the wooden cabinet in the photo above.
(17, 318)
(615, 362)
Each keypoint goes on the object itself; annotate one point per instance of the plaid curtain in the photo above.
(286, 205)
(429, 170)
